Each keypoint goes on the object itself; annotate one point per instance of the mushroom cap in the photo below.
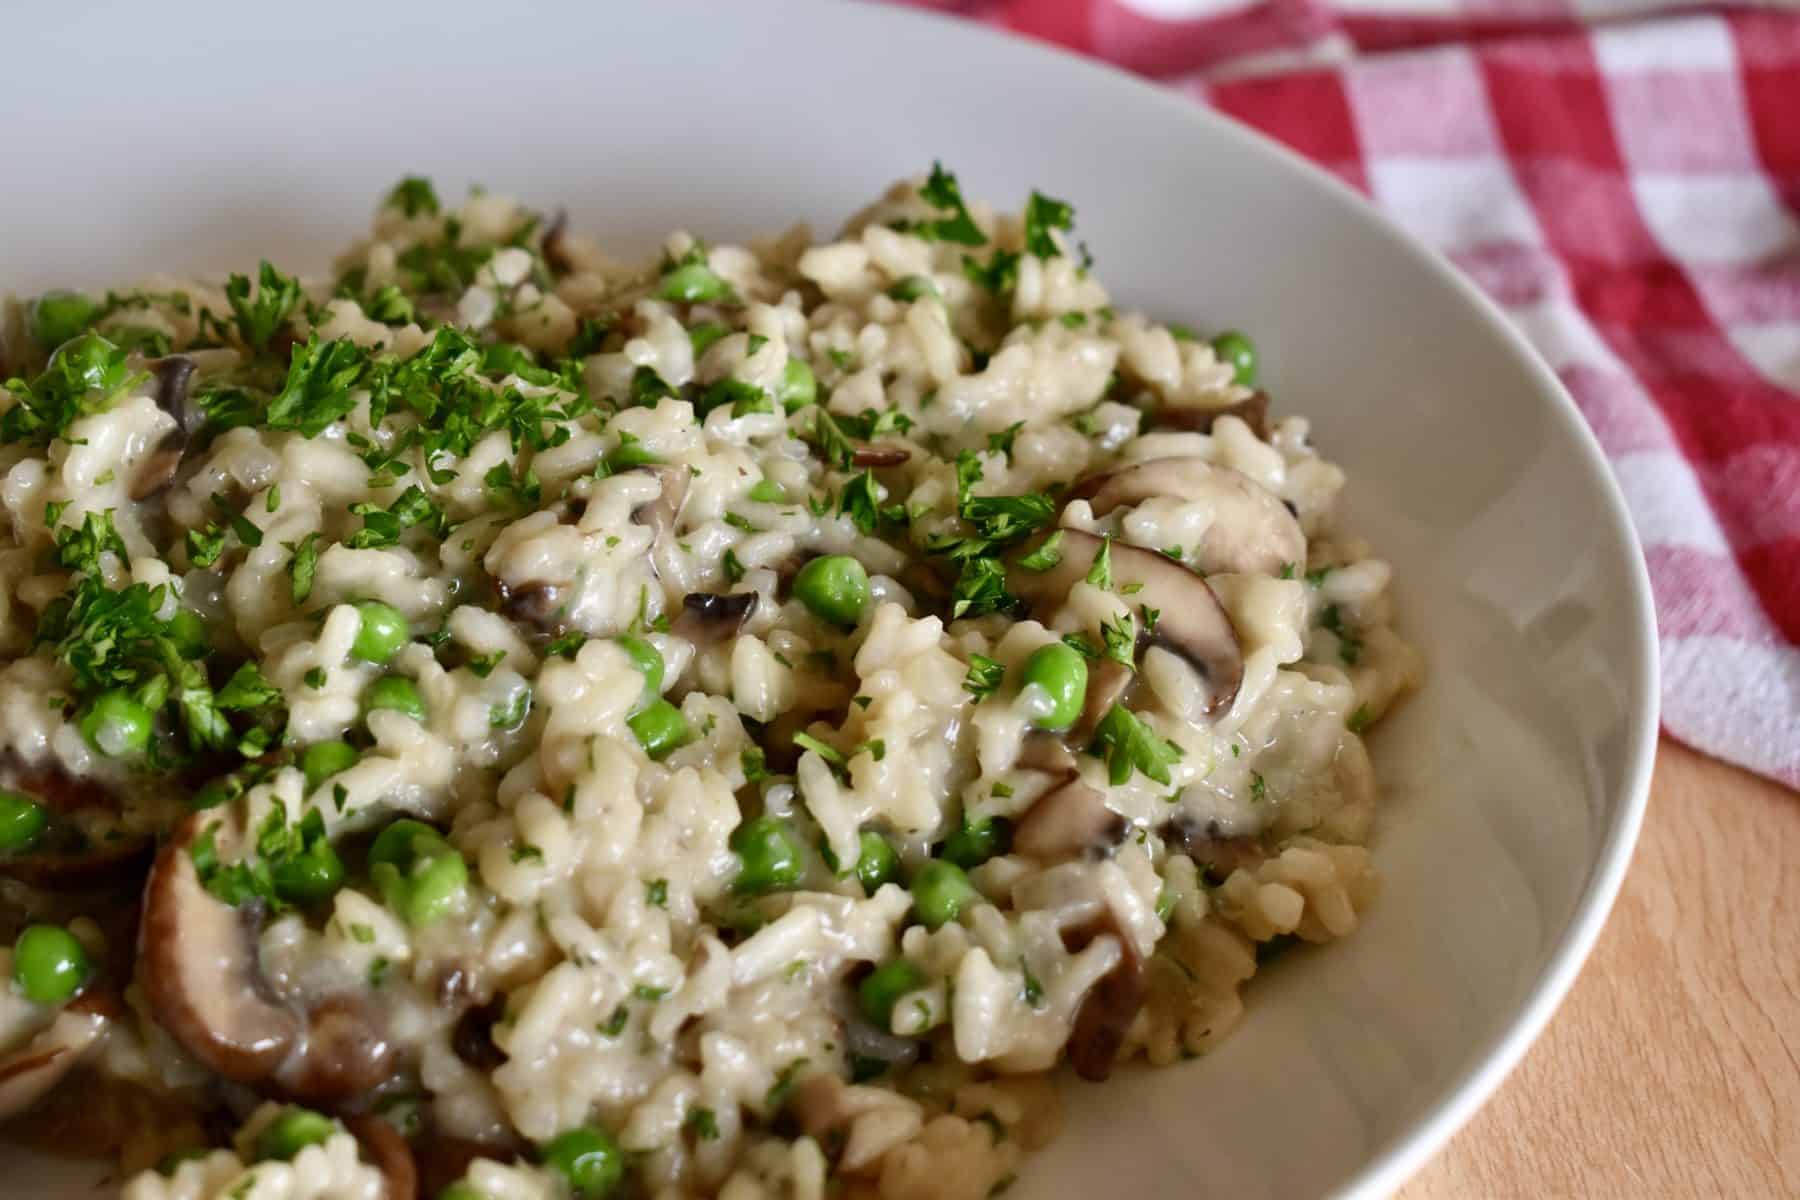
(1111, 1005)
(1191, 623)
(1253, 411)
(28, 1073)
(198, 963)
(383, 1146)
(1071, 818)
(1252, 532)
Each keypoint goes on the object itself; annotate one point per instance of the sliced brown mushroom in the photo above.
(712, 617)
(1190, 621)
(1213, 851)
(1108, 682)
(440, 1159)
(28, 1073)
(1070, 819)
(472, 1037)
(199, 965)
(1111, 1005)
(174, 378)
(659, 515)
(67, 857)
(556, 255)
(1044, 752)
(383, 1146)
(1252, 532)
(537, 603)
(1253, 411)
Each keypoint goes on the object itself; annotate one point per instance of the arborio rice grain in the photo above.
(725, 726)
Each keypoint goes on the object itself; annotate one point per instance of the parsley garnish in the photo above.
(319, 386)
(414, 195)
(1128, 744)
(258, 320)
(303, 566)
(1042, 214)
(83, 377)
(942, 192)
(984, 676)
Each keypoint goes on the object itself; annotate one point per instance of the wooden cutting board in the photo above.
(1673, 1068)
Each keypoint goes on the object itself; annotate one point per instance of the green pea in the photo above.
(647, 659)
(396, 692)
(883, 989)
(188, 632)
(1061, 674)
(291, 1132)
(940, 893)
(1234, 348)
(322, 760)
(589, 1159)
(420, 874)
(693, 283)
(437, 889)
(977, 842)
(115, 724)
(49, 964)
(770, 856)
(22, 821)
(384, 630)
(835, 587)
(704, 335)
(767, 491)
(58, 316)
(405, 842)
(915, 287)
(310, 876)
(878, 863)
(659, 728)
(798, 386)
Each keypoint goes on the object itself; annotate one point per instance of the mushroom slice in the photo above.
(1110, 1006)
(712, 617)
(1108, 682)
(1068, 820)
(1252, 532)
(1190, 622)
(28, 1073)
(1210, 849)
(383, 1146)
(659, 515)
(68, 857)
(1253, 411)
(174, 378)
(199, 964)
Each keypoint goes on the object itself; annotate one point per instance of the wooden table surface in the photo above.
(1673, 1068)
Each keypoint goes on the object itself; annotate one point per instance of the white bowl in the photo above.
(140, 140)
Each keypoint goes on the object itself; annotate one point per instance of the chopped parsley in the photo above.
(412, 196)
(259, 319)
(1128, 744)
(942, 192)
(984, 677)
(1042, 214)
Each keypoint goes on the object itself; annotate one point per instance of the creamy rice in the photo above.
(834, 682)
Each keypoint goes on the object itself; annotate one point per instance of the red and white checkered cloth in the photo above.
(1623, 178)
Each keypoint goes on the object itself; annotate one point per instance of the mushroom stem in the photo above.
(1251, 533)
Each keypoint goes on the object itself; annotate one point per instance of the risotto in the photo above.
(502, 723)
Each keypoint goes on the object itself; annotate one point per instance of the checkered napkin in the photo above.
(1623, 178)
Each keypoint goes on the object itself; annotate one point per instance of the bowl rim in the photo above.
(1397, 1160)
